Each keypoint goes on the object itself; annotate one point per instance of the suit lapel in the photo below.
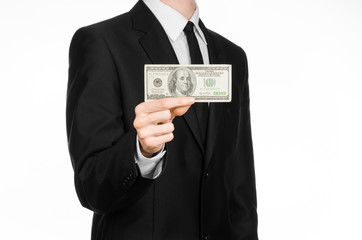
(154, 40)
(158, 48)
(215, 109)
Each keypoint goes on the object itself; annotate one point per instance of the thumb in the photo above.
(179, 111)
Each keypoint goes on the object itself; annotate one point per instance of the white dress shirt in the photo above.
(173, 23)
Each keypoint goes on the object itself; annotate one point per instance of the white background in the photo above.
(305, 62)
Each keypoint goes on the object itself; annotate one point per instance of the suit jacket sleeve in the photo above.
(100, 145)
(243, 203)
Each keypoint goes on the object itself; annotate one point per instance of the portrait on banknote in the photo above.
(181, 82)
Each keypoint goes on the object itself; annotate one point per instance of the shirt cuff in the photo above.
(150, 167)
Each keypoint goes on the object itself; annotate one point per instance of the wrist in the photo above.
(146, 154)
(149, 154)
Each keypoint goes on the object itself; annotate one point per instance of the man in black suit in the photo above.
(167, 169)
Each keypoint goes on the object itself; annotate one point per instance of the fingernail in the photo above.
(191, 100)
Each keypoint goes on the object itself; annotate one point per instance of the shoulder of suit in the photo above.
(226, 45)
(117, 24)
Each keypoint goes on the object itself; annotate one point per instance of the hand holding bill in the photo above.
(153, 122)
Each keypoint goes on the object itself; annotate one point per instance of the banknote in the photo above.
(207, 83)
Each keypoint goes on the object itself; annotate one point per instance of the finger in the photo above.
(142, 120)
(153, 143)
(167, 121)
(159, 117)
(179, 111)
(155, 130)
(162, 129)
(164, 104)
(161, 139)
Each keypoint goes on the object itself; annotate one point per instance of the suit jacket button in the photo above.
(126, 182)
(206, 175)
(205, 237)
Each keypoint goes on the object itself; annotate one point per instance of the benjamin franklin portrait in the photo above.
(182, 82)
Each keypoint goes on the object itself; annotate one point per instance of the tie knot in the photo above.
(189, 27)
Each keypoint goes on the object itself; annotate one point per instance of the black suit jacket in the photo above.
(203, 192)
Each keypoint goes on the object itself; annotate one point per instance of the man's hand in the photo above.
(153, 122)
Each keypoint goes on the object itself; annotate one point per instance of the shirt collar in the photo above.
(172, 21)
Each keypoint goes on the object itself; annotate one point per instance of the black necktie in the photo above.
(202, 110)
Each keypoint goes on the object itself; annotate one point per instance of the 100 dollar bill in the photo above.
(207, 83)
